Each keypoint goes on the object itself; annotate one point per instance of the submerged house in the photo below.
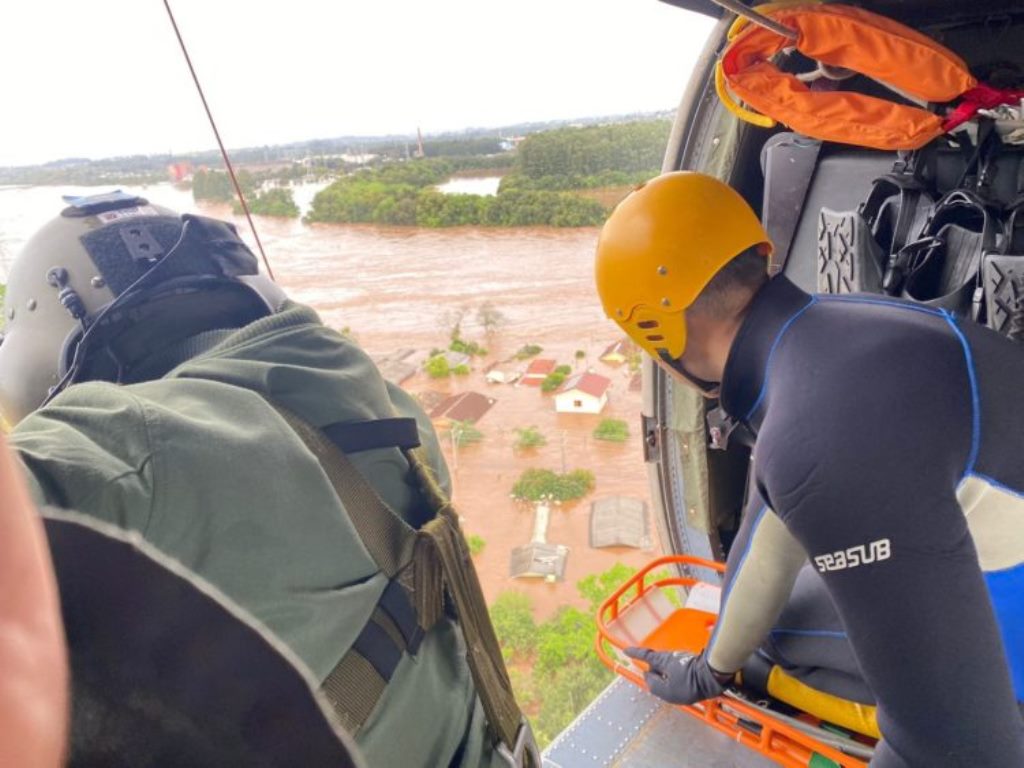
(537, 371)
(583, 393)
(619, 521)
(619, 352)
(496, 374)
(465, 407)
(396, 366)
(538, 560)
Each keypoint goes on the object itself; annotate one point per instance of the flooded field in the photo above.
(392, 287)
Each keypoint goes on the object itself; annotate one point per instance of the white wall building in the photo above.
(583, 393)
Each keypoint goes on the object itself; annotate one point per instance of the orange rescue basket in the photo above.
(644, 601)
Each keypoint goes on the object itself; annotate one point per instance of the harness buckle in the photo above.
(525, 746)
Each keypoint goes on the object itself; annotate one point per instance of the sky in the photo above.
(107, 78)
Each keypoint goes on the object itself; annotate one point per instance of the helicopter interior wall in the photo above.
(843, 178)
(841, 181)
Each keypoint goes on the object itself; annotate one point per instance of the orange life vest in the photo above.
(854, 39)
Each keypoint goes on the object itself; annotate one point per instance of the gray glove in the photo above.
(679, 677)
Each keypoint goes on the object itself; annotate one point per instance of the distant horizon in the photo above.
(113, 83)
(378, 138)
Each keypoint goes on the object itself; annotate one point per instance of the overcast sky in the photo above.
(104, 78)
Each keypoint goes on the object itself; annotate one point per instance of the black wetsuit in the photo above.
(890, 454)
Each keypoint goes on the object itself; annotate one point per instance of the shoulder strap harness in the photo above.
(429, 569)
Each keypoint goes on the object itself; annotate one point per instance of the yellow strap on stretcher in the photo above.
(842, 712)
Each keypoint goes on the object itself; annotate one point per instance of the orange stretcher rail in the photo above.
(689, 629)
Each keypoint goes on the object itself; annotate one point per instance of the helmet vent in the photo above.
(655, 338)
(645, 324)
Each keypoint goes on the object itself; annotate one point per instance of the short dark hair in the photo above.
(732, 288)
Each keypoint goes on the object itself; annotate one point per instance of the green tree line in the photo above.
(216, 185)
(403, 195)
(277, 201)
(576, 154)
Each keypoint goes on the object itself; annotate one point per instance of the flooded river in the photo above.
(391, 287)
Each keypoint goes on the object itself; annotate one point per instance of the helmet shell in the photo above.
(86, 259)
(659, 249)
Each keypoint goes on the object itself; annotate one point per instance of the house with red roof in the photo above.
(537, 371)
(583, 393)
(465, 406)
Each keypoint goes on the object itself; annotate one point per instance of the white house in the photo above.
(583, 393)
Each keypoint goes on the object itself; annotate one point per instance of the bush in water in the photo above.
(552, 381)
(476, 544)
(529, 437)
(464, 433)
(535, 484)
(437, 367)
(613, 430)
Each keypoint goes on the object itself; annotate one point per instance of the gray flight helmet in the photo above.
(110, 280)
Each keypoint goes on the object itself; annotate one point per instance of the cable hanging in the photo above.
(216, 133)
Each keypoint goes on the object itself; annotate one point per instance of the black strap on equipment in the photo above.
(897, 206)
(980, 158)
(429, 568)
(942, 267)
(358, 436)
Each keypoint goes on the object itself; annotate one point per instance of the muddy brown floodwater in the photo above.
(391, 286)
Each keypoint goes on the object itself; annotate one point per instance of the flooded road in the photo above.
(391, 287)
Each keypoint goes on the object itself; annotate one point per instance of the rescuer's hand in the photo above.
(679, 677)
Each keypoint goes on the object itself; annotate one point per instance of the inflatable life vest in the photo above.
(846, 38)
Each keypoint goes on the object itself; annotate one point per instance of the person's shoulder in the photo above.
(97, 403)
(857, 349)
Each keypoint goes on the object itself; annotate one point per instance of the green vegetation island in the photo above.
(542, 187)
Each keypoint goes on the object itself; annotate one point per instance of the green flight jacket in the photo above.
(205, 469)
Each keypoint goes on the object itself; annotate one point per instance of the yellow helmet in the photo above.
(659, 249)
